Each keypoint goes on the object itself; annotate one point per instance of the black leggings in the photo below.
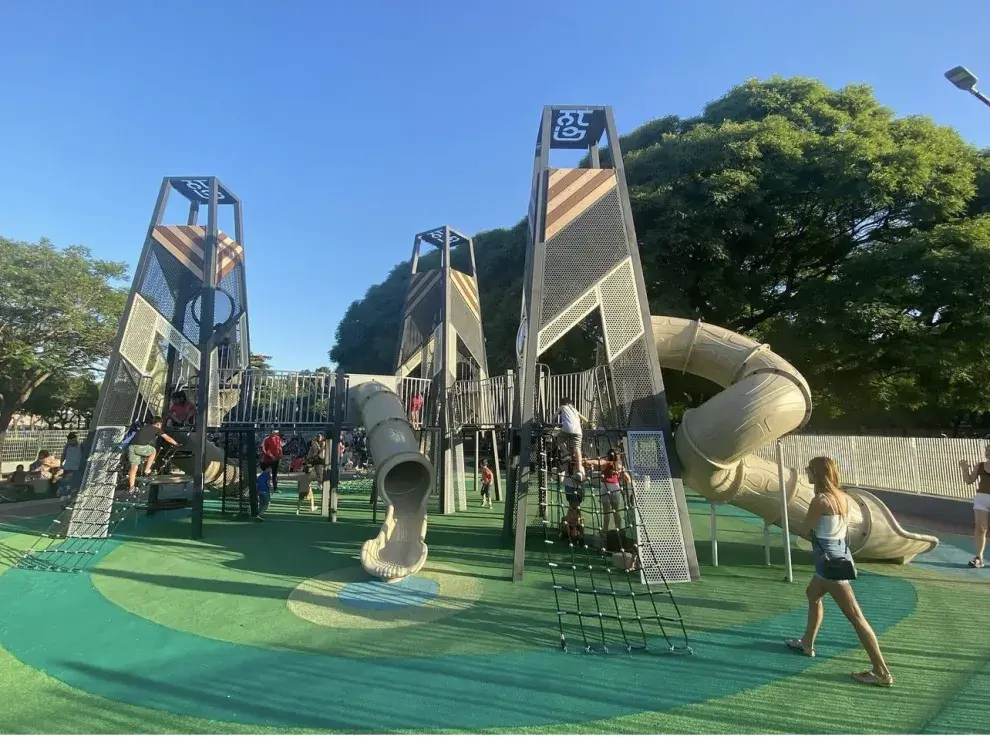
(273, 466)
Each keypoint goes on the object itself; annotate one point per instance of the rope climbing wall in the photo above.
(596, 563)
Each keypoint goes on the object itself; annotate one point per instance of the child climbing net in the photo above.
(594, 542)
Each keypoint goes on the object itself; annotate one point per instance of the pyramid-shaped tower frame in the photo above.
(582, 257)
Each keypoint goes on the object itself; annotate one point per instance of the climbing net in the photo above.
(594, 556)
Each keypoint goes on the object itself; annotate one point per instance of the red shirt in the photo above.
(271, 448)
(486, 475)
(417, 403)
(610, 474)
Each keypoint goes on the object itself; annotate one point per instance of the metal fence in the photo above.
(23, 446)
(483, 403)
(918, 465)
(277, 397)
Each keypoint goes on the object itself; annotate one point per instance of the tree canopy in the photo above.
(59, 314)
(852, 240)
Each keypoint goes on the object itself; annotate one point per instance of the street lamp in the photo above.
(965, 80)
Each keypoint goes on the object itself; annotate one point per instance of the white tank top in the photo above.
(831, 527)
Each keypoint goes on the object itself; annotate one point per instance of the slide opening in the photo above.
(406, 483)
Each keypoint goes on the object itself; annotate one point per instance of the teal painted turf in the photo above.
(61, 625)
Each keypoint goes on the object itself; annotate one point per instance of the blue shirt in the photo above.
(264, 483)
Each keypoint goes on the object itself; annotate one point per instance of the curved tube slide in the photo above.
(215, 468)
(403, 479)
(764, 398)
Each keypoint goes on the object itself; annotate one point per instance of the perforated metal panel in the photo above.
(161, 280)
(560, 325)
(139, 333)
(467, 326)
(121, 391)
(622, 320)
(634, 387)
(581, 254)
(91, 511)
(663, 554)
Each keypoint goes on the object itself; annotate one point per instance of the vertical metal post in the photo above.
(251, 456)
(477, 461)
(766, 544)
(205, 358)
(713, 531)
(339, 399)
(784, 520)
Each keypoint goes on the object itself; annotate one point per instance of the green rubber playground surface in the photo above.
(272, 627)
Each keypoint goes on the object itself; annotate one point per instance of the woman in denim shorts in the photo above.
(827, 521)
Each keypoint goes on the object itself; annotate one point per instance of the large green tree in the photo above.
(812, 218)
(59, 312)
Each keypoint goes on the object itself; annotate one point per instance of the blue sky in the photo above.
(345, 128)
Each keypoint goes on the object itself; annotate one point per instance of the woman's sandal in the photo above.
(872, 679)
(976, 563)
(799, 646)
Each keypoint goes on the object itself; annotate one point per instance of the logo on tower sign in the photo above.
(201, 188)
(571, 126)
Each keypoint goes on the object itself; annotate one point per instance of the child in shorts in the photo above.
(572, 527)
(571, 432)
(486, 484)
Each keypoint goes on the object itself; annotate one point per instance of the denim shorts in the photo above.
(834, 548)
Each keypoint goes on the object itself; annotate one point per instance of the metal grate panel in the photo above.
(139, 333)
(622, 319)
(157, 287)
(581, 254)
(634, 392)
(663, 553)
(122, 394)
(560, 325)
(94, 503)
(468, 329)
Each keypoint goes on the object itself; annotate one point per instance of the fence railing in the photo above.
(276, 397)
(918, 465)
(483, 403)
(23, 446)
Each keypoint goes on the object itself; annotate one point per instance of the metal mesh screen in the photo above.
(161, 280)
(139, 333)
(622, 319)
(633, 384)
(412, 340)
(121, 391)
(663, 552)
(91, 511)
(582, 253)
(566, 320)
(466, 325)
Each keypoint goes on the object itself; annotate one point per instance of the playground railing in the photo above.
(278, 397)
(917, 465)
(481, 403)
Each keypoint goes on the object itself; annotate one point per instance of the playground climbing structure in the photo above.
(582, 258)
(442, 341)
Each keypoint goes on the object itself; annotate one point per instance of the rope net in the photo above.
(593, 535)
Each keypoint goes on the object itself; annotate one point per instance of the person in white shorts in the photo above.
(571, 432)
(979, 474)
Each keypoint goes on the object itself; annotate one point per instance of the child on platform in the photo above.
(486, 484)
(264, 493)
(571, 432)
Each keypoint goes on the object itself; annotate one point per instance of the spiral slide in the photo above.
(403, 479)
(764, 398)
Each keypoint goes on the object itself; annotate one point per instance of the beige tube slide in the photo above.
(403, 479)
(764, 398)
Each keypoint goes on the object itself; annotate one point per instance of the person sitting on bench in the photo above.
(143, 446)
